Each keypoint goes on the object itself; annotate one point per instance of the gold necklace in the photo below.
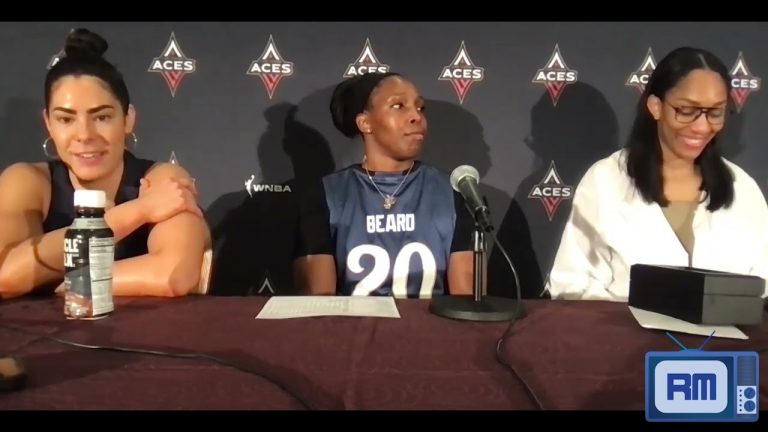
(389, 200)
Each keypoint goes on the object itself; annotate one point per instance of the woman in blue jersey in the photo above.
(390, 225)
(152, 207)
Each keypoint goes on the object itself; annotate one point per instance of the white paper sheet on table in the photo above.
(657, 321)
(280, 307)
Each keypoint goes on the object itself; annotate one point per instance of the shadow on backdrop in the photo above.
(314, 111)
(253, 229)
(456, 138)
(22, 132)
(566, 139)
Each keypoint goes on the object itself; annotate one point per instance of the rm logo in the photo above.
(704, 386)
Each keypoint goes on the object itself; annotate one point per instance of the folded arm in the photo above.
(29, 258)
(176, 246)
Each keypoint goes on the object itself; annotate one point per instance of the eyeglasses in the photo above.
(689, 114)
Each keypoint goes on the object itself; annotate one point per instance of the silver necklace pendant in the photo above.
(389, 202)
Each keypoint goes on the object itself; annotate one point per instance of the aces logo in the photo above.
(555, 75)
(551, 191)
(743, 82)
(366, 62)
(172, 65)
(639, 78)
(461, 73)
(271, 67)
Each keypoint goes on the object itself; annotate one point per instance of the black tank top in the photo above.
(61, 211)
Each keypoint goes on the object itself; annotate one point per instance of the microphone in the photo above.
(466, 180)
(479, 306)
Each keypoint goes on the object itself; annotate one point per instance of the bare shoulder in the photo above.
(37, 171)
(27, 183)
(163, 170)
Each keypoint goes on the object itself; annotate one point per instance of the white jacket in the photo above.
(610, 228)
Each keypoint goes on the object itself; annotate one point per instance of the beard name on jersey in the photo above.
(396, 222)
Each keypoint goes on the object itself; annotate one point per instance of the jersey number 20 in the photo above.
(382, 268)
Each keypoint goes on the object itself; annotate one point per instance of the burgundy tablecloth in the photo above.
(573, 355)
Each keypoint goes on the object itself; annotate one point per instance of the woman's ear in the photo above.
(130, 119)
(363, 123)
(46, 121)
(654, 106)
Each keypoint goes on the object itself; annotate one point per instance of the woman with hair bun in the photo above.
(391, 225)
(152, 206)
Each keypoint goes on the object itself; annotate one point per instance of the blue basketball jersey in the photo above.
(401, 251)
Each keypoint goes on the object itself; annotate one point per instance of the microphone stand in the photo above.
(479, 306)
(478, 265)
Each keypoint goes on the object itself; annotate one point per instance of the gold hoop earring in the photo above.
(45, 149)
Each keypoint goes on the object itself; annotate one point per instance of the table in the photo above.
(572, 355)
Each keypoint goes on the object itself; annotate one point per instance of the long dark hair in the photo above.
(644, 158)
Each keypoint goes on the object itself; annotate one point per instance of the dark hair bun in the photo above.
(83, 43)
(350, 97)
(343, 120)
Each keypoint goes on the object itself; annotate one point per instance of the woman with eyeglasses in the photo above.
(669, 197)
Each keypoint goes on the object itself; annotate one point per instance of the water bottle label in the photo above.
(88, 266)
(101, 258)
